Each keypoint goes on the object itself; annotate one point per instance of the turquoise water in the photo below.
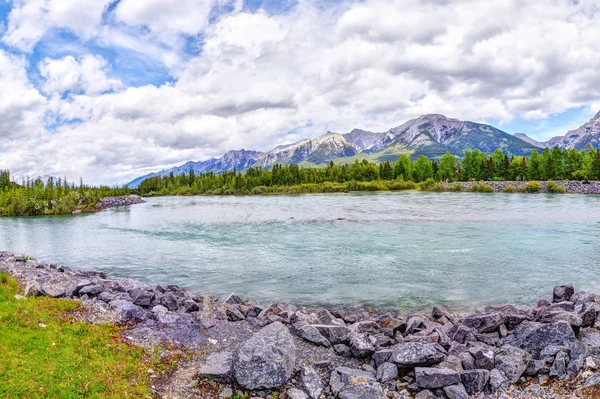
(383, 249)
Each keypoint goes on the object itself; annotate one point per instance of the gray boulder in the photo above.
(335, 334)
(484, 358)
(475, 380)
(91, 290)
(563, 293)
(360, 346)
(267, 359)
(169, 301)
(349, 383)
(142, 297)
(534, 336)
(428, 377)
(295, 393)
(218, 367)
(512, 362)
(310, 382)
(310, 334)
(484, 323)
(387, 372)
(425, 394)
(559, 367)
(342, 377)
(497, 381)
(456, 392)
(126, 310)
(414, 354)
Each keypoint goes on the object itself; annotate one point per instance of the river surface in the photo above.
(408, 250)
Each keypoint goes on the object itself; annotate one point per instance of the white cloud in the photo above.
(22, 107)
(29, 20)
(87, 74)
(371, 64)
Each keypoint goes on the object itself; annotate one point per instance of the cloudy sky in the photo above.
(113, 89)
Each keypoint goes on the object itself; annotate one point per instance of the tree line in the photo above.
(550, 164)
(56, 196)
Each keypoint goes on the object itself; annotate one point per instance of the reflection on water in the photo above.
(384, 249)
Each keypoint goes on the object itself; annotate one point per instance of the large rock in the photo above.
(512, 362)
(333, 333)
(414, 354)
(534, 337)
(349, 383)
(360, 346)
(295, 393)
(387, 372)
(310, 382)
(428, 377)
(142, 297)
(484, 323)
(456, 392)
(218, 367)
(267, 359)
(475, 380)
(310, 334)
(563, 293)
(126, 310)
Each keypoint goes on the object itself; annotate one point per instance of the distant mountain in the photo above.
(432, 135)
(529, 140)
(317, 150)
(588, 133)
(236, 159)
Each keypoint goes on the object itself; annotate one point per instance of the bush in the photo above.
(555, 188)
(454, 187)
(481, 188)
(427, 184)
(402, 185)
(533, 187)
(509, 189)
(438, 187)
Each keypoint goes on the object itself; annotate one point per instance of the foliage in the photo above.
(481, 188)
(533, 187)
(555, 188)
(48, 354)
(509, 189)
(52, 198)
(427, 184)
(454, 187)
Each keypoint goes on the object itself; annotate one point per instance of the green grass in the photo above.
(46, 353)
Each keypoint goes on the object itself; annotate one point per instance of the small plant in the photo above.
(454, 187)
(27, 257)
(509, 189)
(533, 187)
(481, 188)
(555, 188)
(3, 278)
(438, 187)
(427, 184)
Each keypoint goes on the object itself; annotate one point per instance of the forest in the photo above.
(550, 164)
(35, 197)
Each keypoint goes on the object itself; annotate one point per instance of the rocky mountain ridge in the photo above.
(431, 135)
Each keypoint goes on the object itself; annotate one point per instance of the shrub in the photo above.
(454, 187)
(555, 188)
(438, 187)
(402, 185)
(427, 184)
(533, 187)
(509, 189)
(481, 188)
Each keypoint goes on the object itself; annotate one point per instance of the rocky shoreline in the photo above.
(571, 186)
(244, 348)
(111, 202)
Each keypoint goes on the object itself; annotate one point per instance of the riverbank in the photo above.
(231, 346)
(558, 186)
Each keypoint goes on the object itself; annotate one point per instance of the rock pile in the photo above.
(110, 202)
(571, 186)
(370, 356)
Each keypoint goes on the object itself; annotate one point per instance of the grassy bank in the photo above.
(311, 188)
(47, 353)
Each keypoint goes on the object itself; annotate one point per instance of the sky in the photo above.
(109, 90)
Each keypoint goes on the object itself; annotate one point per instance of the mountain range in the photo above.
(431, 135)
